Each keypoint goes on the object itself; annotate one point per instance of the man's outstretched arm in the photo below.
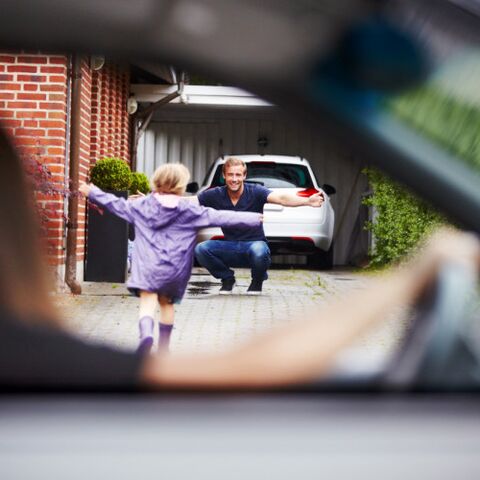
(288, 199)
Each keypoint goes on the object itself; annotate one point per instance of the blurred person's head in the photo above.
(170, 178)
(23, 280)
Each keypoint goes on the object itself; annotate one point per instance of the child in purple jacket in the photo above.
(166, 227)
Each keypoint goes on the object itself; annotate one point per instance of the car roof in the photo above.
(266, 158)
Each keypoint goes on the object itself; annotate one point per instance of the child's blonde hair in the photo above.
(170, 178)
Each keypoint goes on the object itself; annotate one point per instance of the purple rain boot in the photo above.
(164, 340)
(145, 325)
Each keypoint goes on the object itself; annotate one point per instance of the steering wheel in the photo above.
(437, 353)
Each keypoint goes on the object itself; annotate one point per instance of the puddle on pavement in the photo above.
(200, 288)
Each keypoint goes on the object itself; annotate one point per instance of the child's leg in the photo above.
(146, 314)
(167, 313)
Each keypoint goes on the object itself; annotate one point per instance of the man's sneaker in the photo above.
(255, 287)
(227, 286)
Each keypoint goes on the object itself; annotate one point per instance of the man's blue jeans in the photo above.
(218, 256)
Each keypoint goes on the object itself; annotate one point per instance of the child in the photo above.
(166, 227)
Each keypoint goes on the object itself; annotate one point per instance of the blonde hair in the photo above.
(233, 162)
(170, 178)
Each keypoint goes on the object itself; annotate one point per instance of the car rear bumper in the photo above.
(299, 244)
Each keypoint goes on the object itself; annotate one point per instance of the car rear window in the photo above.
(272, 175)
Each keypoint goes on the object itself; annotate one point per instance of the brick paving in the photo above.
(208, 322)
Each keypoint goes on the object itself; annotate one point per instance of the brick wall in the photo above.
(110, 135)
(34, 112)
(33, 104)
(85, 149)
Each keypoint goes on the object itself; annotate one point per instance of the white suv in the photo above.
(299, 230)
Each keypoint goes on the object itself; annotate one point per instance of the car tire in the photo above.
(320, 259)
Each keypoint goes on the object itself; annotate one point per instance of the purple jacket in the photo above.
(165, 237)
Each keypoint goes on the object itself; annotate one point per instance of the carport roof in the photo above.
(198, 95)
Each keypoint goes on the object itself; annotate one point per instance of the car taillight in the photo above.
(308, 192)
(217, 237)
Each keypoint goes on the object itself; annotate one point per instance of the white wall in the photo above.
(196, 137)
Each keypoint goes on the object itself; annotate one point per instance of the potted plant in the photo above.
(139, 184)
(107, 235)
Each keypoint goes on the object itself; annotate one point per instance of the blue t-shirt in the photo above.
(253, 198)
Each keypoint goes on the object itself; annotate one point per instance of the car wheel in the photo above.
(320, 259)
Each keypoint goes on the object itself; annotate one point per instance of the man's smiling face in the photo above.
(234, 177)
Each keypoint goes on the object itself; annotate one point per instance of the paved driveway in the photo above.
(206, 321)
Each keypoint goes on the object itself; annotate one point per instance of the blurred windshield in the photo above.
(446, 110)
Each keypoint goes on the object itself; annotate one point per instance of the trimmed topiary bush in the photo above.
(139, 183)
(111, 174)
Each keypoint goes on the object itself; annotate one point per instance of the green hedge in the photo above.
(402, 219)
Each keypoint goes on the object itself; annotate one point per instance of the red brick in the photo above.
(52, 105)
(57, 78)
(30, 87)
(30, 114)
(51, 124)
(61, 97)
(11, 123)
(25, 150)
(32, 59)
(22, 69)
(30, 123)
(10, 86)
(53, 70)
(16, 105)
(57, 115)
(29, 131)
(7, 58)
(55, 133)
(56, 151)
(53, 88)
(26, 141)
(51, 142)
(31, 78)
(57, 60)
(7, 114)
(6, 95)
(31, 96)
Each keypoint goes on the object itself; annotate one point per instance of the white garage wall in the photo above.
(196, 137)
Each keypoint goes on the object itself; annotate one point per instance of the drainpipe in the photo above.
(72, 223)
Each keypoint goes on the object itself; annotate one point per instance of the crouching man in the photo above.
(242, 248)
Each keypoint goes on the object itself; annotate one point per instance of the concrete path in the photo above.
(208, 322)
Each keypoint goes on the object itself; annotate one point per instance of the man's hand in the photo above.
(316, 200)
(84, 188)
(293, 200)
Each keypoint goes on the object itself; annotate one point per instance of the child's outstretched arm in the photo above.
(118, 206)
(305, 351)
(209, 217)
